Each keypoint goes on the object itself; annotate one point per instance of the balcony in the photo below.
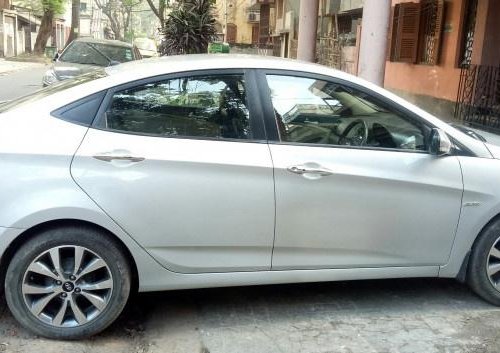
(260, 2)
(285, 24)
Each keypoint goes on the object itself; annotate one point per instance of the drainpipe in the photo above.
(374, 40)
(308, 27)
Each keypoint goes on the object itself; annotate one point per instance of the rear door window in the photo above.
(212, 106)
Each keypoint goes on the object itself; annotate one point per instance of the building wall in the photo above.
(440, 81)
(346, 5)
(237, 15)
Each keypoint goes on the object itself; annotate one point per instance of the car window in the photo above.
(116, 53)
(207, 106)
(319, 112)
(96, 54)
(82, 53)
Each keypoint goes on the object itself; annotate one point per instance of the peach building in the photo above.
(445, 56)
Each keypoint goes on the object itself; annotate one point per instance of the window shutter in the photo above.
(438, 31)
(406, 23)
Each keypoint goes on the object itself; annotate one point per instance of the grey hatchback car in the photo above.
(220, 170)
(86, 54)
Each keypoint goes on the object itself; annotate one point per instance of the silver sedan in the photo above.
(209, 171)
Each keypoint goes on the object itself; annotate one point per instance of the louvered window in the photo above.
(415, 34)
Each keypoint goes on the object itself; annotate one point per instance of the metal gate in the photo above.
(478, 101)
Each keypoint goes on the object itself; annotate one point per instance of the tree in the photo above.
(75, 21)
(126, 10)
(112, 10)
(49, 8)
(189, 28)
(159, 10)
(119, 14)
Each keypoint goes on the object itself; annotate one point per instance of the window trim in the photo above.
(272, 126)
(59, 112)
(256, 118)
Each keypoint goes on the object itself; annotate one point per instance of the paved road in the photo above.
(391, 316)
(22, 82)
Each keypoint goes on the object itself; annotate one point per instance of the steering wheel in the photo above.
(359, 137)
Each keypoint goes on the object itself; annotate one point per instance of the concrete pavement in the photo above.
(390, 316)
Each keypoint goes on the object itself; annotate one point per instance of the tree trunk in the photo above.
(116, 28)
(44, 33)
(75, 21)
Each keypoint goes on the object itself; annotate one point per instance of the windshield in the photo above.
(95, 54)
(45, 92)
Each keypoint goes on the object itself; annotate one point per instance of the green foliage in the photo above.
(189, 28)
(55, 6)
(41, 6)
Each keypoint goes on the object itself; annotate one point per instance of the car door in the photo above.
(355, 185)
(182, 165)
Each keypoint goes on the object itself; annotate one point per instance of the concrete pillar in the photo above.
(308, 27)
(374, 40)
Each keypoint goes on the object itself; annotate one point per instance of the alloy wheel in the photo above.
(67, 286)
(493, 265)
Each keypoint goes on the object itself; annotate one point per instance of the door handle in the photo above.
(110, 158)
(301, 169)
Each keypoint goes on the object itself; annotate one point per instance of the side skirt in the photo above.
(173, 281)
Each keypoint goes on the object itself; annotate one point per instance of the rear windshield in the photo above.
(96, 54)
(47, 91)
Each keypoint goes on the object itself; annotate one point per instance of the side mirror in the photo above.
(440, 143)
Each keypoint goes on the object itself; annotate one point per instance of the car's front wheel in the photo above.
(483, 273)
(67, 283)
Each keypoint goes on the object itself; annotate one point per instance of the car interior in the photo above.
(347, 117)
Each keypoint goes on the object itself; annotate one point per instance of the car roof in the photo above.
(181, 63)
(115, 43)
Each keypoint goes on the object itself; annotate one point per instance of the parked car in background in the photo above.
(86, 54)
(221, 170)
(147, 47)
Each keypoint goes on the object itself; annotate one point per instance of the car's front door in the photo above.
(181, 165)
(355, 186)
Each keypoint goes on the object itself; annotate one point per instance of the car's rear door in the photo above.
(355, 185)
(181, 163)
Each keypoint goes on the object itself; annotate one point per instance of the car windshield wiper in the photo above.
(110, 61)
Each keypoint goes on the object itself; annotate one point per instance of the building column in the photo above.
(374, 40)
(308, 27)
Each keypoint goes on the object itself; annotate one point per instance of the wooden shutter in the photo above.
(405, 32)
(438, 31)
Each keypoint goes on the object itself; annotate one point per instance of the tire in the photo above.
(482, 258)
(74, 304)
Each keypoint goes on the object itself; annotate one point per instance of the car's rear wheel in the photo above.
(67, 283)
(483, 274)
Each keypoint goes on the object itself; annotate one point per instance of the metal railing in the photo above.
(478, 99)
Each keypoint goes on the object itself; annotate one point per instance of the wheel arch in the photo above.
(462, 274)
(10, 251)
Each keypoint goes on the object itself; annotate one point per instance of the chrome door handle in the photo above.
(109, 158)
(306, 170)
